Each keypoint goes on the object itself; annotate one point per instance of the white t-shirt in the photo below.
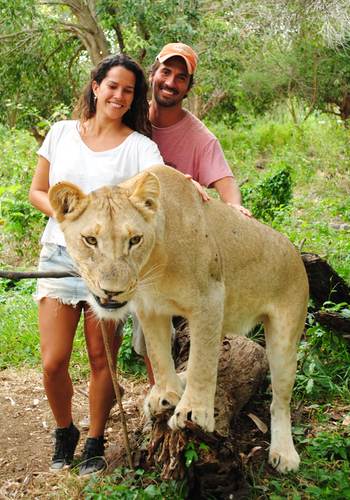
(72, 160)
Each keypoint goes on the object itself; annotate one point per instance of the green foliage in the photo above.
(126, 484)
(193, 452)
(18, 216)
(270, 195)
(21, 223)
(324, 471)
(19, 330)
(146, 25)
(40, 67)
(252, 56)
(128, 361)
(323, 366)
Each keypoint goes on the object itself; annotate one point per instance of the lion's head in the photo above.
(110, 234)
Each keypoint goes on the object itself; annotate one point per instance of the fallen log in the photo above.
(325, 284)
(335, 321)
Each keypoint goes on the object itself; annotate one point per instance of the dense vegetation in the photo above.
(273, 85)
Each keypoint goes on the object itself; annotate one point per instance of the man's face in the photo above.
(170, 82)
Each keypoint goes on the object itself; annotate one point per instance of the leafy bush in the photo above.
(269, 196)
(128, 360)
(323, 366)
(22, 224)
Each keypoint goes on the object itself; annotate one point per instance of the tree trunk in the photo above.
(87, 29)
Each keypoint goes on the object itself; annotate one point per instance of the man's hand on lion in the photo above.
(242, 209)
(206, 197)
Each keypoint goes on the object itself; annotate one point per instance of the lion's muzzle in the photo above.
(109, 303)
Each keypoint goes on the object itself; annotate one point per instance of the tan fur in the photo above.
(207, 262)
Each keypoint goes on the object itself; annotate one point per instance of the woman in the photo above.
(108, 144)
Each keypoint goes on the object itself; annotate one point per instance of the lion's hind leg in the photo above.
(282, 336)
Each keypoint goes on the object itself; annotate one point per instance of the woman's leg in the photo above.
(101, 392)
(57, 325)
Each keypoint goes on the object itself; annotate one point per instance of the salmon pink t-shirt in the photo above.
(192, 149)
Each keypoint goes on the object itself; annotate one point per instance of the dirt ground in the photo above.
(26, 434)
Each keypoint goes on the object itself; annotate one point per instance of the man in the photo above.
(184, 141)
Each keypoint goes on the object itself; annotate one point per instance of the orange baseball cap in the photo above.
(181, 50)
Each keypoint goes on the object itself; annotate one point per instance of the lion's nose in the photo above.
(111, 293)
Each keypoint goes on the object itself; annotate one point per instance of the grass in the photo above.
(133, 485)
(20, 343)
(317, 155)
(324, 472)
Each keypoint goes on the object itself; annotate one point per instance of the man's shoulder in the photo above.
(198, 132)
(198, 126)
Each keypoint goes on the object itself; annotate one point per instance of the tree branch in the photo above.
(19, 33)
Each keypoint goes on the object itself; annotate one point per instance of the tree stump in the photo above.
(216, 469)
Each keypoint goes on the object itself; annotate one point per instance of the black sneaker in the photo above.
(92, 459)
(66, 441)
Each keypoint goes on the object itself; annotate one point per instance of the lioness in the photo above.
(150, 245)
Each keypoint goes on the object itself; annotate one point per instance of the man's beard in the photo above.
(166, 102)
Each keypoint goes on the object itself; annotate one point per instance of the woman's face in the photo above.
(115, 93)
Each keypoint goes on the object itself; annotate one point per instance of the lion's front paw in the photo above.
(284, 461)
(202, 415)
(159, 400)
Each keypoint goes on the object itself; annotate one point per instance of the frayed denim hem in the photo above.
(65, 301)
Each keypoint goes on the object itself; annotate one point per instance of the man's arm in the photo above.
(230, 194)
(228, 190)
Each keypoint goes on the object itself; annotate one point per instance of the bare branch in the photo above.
(120, 37)
(19, 33)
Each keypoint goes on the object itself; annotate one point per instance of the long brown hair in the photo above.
(137, 116)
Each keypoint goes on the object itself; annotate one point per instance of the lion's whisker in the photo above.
(153, 269)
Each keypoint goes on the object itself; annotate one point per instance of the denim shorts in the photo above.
(66, 290)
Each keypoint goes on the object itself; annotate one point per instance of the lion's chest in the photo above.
(161, 299)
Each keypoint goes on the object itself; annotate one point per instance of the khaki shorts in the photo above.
(69, 291)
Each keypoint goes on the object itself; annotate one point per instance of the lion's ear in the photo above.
(67, 201)
(145, 194)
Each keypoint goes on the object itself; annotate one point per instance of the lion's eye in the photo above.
(90, 240)
(135, 240)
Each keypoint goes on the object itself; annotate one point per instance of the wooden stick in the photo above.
(116, 387)
(20, 275)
